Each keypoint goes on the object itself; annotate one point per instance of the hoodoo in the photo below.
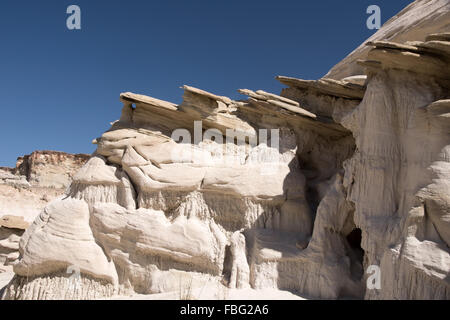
(353, 176)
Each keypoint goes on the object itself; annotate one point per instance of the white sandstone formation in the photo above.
(413, 23)
(36, 180)
(398, 177)
(360, 178)
(26, 190)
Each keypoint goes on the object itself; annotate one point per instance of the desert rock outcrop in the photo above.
(304, 191)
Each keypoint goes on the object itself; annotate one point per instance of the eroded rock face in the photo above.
(36, 180)
(51, 169)
(397, 178)
(11, 229)
(305, 191)
(156, 205)
(26, 190)
(413, 23)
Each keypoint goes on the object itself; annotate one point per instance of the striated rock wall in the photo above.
(308, 191)
(25, 190)
(51, 169)
(413, 23)
(37, 179)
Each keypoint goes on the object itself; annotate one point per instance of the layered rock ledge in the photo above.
(25, 191)
(308, 191)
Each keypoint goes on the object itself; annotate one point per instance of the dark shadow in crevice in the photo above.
(227, 265)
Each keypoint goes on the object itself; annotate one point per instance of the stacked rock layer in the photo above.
(305, 191)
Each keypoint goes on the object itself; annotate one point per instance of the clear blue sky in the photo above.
(60, 88)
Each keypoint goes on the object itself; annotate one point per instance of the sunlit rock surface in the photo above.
(303, 191)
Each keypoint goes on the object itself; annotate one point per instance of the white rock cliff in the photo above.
(360, 178)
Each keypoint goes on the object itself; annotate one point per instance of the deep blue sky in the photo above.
(60, 88)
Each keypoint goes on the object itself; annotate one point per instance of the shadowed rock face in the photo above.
(360, 178)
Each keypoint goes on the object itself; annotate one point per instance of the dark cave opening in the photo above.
(357, 252)
(227, 265)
